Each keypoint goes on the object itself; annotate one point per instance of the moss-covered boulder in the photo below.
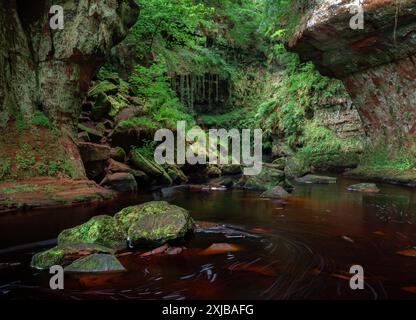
(276, 192)
(149, 167)
(231, 169)
(118, 154)
(267, 179)
(46, 259)
(102, 230)
(213, 172)
(96, 263)
(121, 181)
(280, 163)
(154, 223)
(296, 168)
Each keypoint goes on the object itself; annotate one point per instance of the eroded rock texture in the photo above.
(49, 70)
(377, 64)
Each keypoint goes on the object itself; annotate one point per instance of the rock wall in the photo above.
(343, 119)
(377, 64)
(50, 70)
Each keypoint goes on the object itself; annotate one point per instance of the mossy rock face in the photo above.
(46, 259)
(150, 167)
(154, 223)
(102, 230)
(96, 263)
(267, 179)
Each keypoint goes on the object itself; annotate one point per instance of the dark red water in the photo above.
(301, 250)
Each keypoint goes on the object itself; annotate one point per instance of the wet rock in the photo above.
(267, 179)
(128, 134)
(95, 170)
(364, 188)
(46, 259)
(91, 152)
(101, 230)
(275, 192)
(154, 223)
(296, 168)
(103, 87)
(122, 182)
(94, 135)
(280, 163)
(231, 169)
(96, 263)
(101, 107)
(128, 113)
(118, 154)
(220, 248)
(213, 171)
(84, 137)
(149, 167)
(314, 179)
(176, 174)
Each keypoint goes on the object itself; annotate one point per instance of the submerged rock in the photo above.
(364, 187)
(102, 230)
(314, 179)
(154, 223)
(96, 263)
(276, 192)
(46, 259)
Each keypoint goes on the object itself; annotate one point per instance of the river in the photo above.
(299, 249)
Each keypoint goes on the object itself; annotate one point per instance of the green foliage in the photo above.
(382, 159)
(41, 120)
(5, 167)
(137, 122)
(299, 90)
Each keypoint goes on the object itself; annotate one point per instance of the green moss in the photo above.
(5, 167)
(102, 87)
(137, 122)
(156, 221)
(100, 230)
(96, 263)
(45, 260)
(149, 166)
(41, 120)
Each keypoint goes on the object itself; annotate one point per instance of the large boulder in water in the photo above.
(154, 223)
(96, 263)
(64, 255)
(102, 230)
